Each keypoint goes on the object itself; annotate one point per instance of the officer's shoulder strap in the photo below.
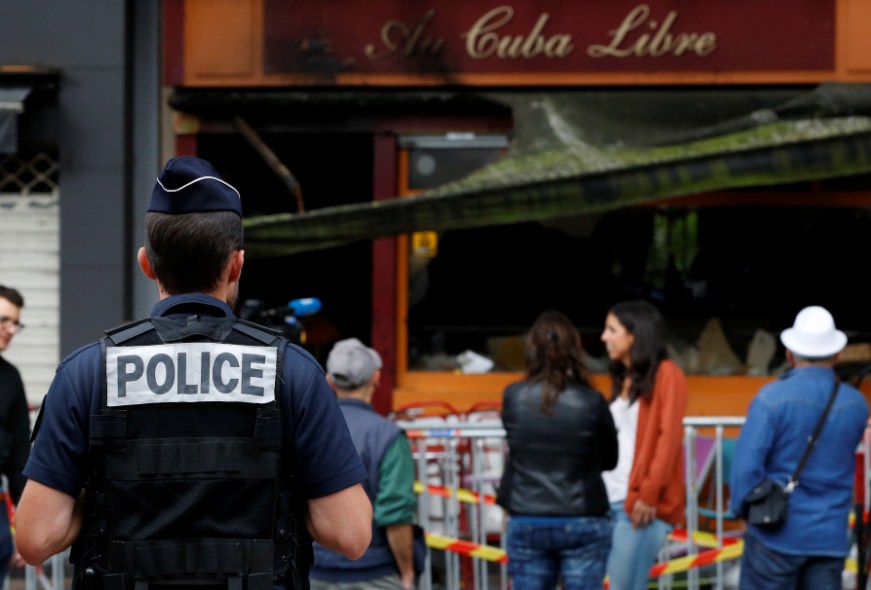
(121, 334)
(125, 332)
(267, 336)
(258, 332)
(116, 337)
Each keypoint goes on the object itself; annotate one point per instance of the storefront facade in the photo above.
(720, 155)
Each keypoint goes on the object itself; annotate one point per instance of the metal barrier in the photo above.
(455, 461)
(698, 471)
(52, 575)
(705, 462)
(453, 457)
(458, 463)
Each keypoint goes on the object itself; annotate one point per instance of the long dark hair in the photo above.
(555, 356)
(642, 320)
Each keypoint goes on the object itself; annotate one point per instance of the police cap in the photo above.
(192, 185)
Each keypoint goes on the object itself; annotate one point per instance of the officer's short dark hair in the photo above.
(12, 296)
(188, 252)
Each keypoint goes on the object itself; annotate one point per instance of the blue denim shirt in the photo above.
(781, 418)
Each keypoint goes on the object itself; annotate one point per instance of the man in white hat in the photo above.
(809, 549)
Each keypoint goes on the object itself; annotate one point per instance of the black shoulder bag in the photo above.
(765, 505)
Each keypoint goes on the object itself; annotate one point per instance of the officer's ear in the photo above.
(237, 259)
(142, 259)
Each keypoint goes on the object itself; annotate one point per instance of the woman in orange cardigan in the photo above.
(648, 402)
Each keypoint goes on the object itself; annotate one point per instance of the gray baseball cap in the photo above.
(351, 363)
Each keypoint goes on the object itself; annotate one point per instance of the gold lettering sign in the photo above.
(627, 41)
(483, 39)
(398, 38)
(638, 35)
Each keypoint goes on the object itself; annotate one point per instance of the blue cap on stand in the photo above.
(192, 185)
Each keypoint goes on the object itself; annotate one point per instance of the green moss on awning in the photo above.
(556, 168)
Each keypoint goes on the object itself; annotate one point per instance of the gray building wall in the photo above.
(107, 128)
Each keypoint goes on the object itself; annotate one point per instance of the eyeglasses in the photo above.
(6, 320)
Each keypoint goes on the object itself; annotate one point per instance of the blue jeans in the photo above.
(542, 549)
(633, 551)
(765, 568)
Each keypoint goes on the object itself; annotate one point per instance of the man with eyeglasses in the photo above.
(14, 422)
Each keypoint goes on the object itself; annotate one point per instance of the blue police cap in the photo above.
(192, 185)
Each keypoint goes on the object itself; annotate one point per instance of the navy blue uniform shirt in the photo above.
(316, 439)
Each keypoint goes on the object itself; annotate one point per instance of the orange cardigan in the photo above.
(657, 475)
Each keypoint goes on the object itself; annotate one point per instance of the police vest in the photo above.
(185, 479)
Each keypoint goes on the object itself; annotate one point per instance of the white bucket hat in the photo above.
(813, 335)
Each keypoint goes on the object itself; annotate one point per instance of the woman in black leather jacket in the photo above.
(561, 436)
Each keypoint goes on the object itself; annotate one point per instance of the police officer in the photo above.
(191, 445)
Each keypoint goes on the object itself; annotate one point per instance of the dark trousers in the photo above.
(763, 568)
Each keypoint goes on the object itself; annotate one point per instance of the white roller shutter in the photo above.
(30, 262)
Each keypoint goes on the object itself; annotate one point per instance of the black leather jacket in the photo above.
(554, 462)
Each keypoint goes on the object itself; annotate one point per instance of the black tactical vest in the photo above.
(185, 484)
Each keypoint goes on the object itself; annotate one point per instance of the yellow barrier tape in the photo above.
(701, 538)
(682, 564)
(462, 494)
(732, 547)
(485, 552)
(496, 554)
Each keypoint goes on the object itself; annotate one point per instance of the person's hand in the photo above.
(17, 560)
(642, 514)
(407, 580)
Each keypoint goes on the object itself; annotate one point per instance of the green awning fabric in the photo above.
(582, 152)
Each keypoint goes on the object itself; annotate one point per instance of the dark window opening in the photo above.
(719, 274)
(331, 169)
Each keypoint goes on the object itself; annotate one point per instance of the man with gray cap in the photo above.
(809, 549)
(191, 447)
(354, 370)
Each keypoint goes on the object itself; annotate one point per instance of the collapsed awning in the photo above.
(11, 105)
(588, 152)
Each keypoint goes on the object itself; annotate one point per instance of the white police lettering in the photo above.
(193, 372)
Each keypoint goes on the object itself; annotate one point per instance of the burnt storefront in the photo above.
(438, 173)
